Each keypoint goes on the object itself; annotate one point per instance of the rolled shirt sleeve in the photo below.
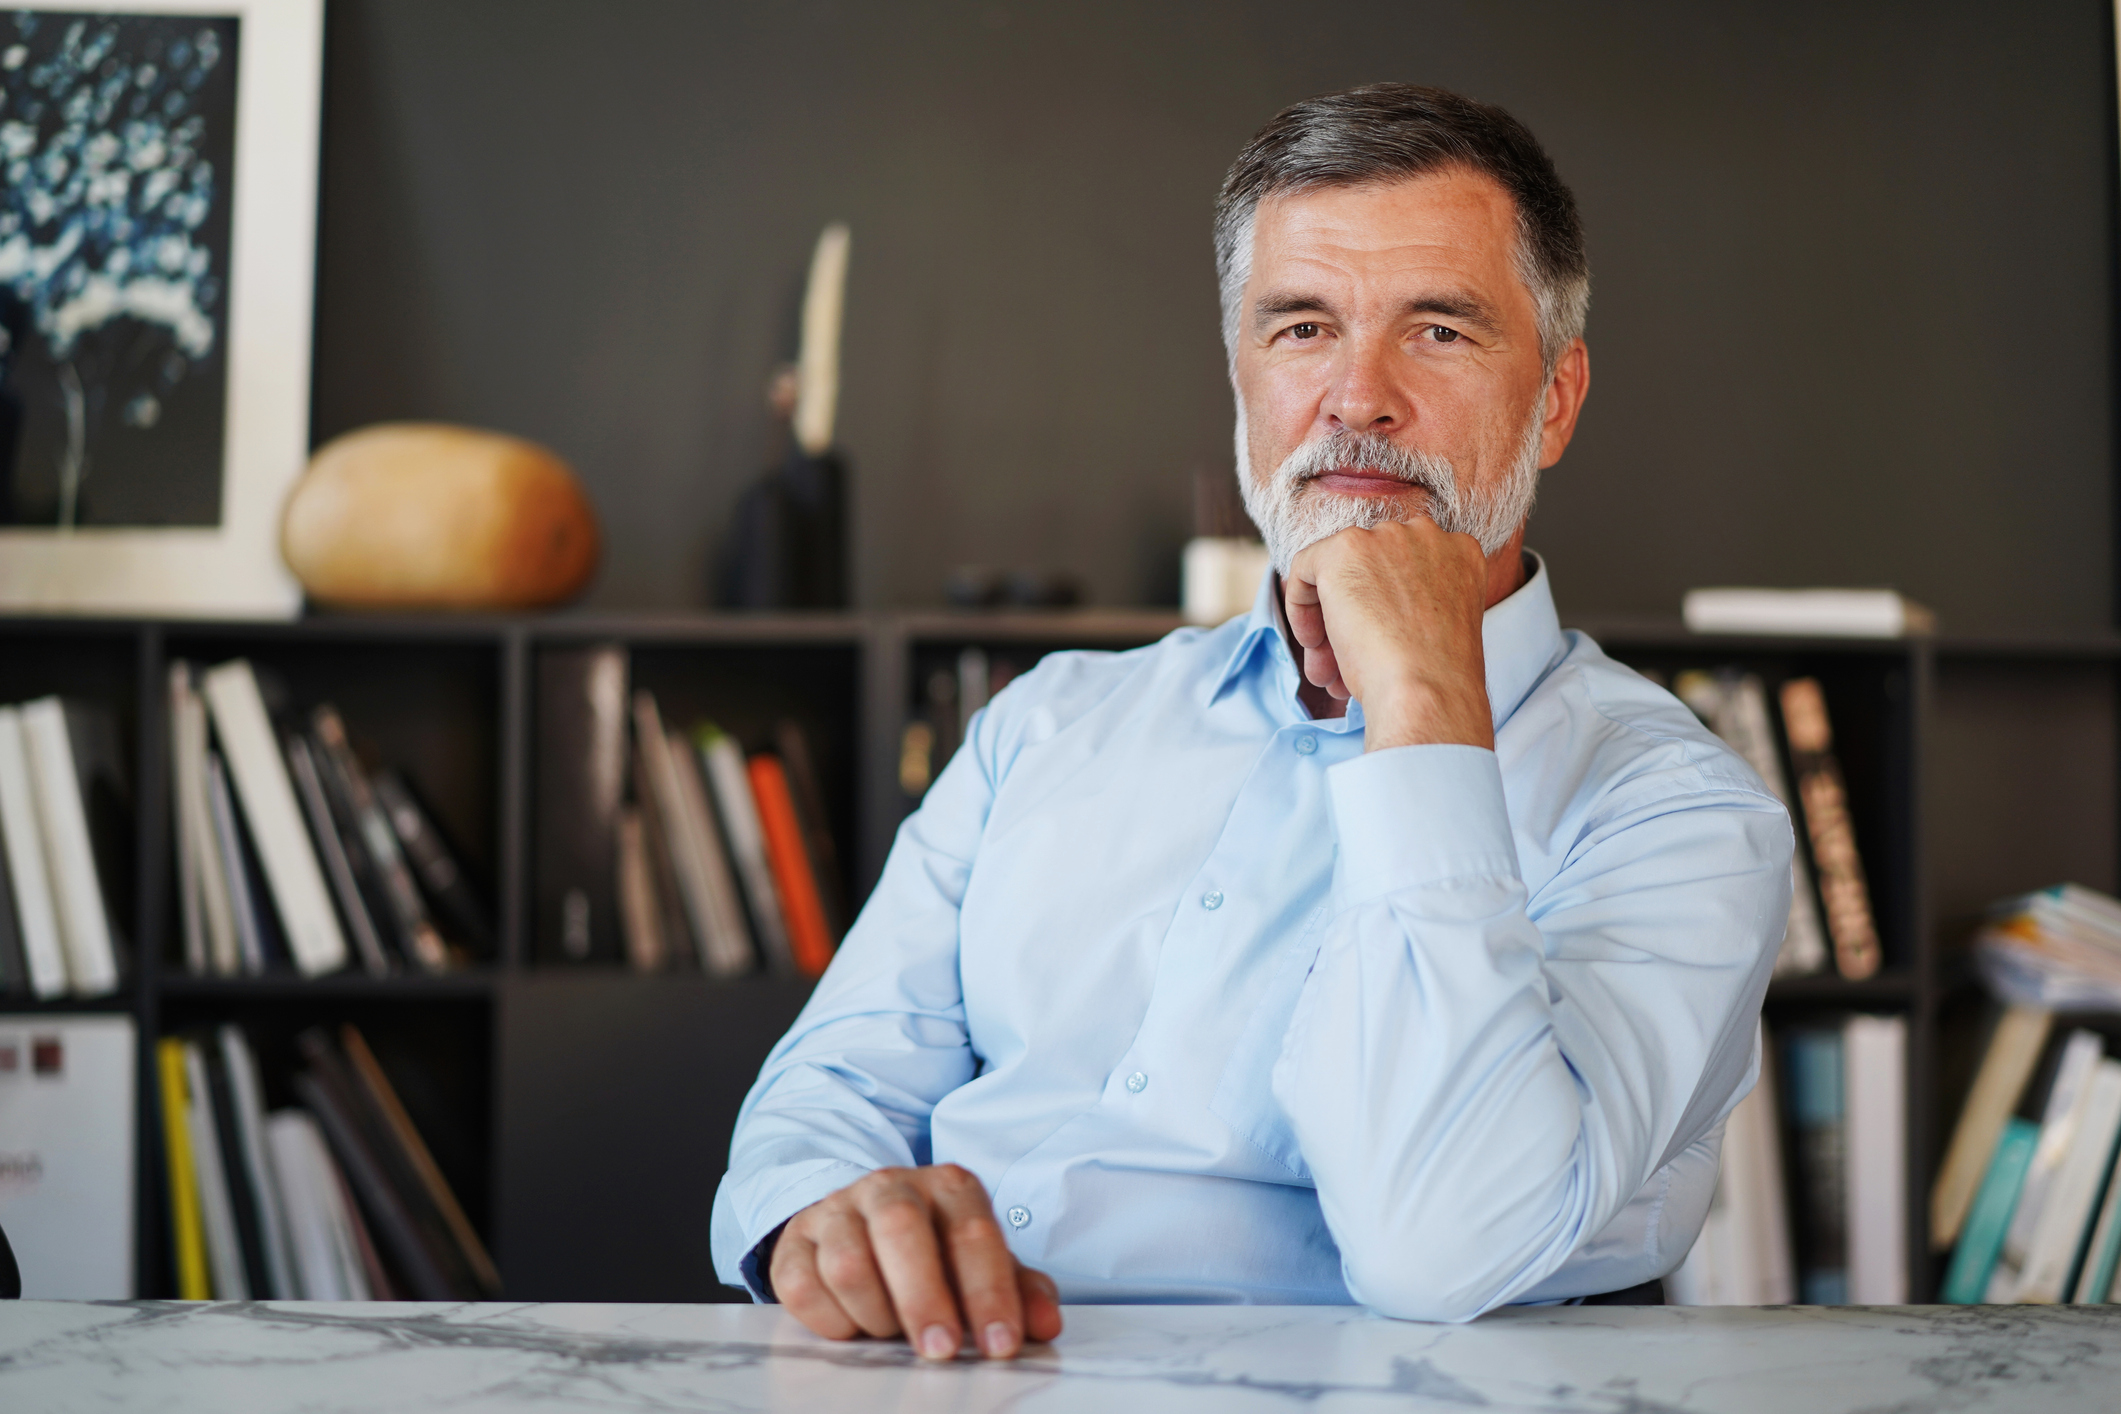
(1481, 1080)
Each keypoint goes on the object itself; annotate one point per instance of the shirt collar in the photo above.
(1520, 640)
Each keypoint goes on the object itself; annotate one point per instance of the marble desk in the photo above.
(173, 1358)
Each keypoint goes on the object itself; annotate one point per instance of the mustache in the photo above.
(1344, 451)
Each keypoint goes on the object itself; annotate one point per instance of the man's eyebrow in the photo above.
(1460, 305)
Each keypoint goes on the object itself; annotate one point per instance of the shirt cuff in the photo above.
(1418, 815)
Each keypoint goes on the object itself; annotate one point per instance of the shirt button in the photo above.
(1212, 899)
(1019, 1217)
(1137, 1082)
(1306, 744)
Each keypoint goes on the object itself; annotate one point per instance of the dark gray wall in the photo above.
(1852, 269)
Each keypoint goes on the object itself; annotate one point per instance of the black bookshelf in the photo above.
(584, 1113)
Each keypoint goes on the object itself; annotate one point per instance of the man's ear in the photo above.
(1566, 390)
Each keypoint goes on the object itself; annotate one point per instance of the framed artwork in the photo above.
(157, 239)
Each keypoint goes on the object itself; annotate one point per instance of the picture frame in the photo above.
(157, 302)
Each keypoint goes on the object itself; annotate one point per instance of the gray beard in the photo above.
(1291, 516)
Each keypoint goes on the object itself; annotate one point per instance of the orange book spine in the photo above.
(808, 937)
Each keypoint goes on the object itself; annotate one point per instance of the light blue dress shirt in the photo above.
(1220, 1008)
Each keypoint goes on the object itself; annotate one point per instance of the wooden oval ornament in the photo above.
(411, 515)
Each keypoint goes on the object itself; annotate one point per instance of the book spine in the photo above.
(248, 1110)
(344, 773)
(581, 781)
(84, 926)
(432, 861)
(731, 950)
(2066, 1218)
(2097, 1280)
(809, 937)
(366, 1178)
(316, 1266)
(1875, 1072)
(1745, 723)
(1826, 816)
(353, 910)
(23, 838)
(794, 747)
(224, 1248)
(1814, 1063)
(191, 905)
(220, 950)
(639, 914)
(2006, 1067)
(245, 1200)
(187, 1233)
(383, 1097)
(657, 840)
(1988, 1218)
(249, 956)
(722, 762)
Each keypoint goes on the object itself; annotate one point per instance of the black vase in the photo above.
(787, 546)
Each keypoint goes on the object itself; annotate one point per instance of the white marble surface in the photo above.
(172, 1358)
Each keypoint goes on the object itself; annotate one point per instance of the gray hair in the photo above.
(1391, 131)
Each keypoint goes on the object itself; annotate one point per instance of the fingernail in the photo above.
(936, 1343)
(1000, 1339)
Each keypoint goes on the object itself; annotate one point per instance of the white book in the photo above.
(2102, 1240)
(84, 926)
(248, 955)
(248, 1093)
(1835, 613)
(67, 1108)
(739, 813)
(276, 828)
(2058, 1128)
(2066, 1217)
(23, 840)
(1874, 1050)
(214, 948)
(217, 1211)
(320, 1233)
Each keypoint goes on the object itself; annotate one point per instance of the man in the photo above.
(1388, 945)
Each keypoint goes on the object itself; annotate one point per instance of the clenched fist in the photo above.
(913, 1252)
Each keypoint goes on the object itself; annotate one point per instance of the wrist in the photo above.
(1424, 713)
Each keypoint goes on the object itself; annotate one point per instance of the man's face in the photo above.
(1388, 364)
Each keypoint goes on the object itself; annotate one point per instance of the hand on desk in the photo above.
(912, 1252)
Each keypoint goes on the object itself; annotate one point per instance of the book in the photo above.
(259, 772)
(384, 1100)
(2060, 1113)
(42, 952)
(247, 1111)
(2013, 1051)
(2096, 1283)
(1813, 1062)
(735, 807)
(186, 1231)
(434, 864)
(657, 840)
(62, 815)
(2066, 1217)
(581, 782)
(331, 849)
(14, 967)
(640, 914)
(217, 1212)
(1988, 1215)
(1874, 1074)
(244, 907)
(1837, 613)
(712, 916)
(1826, 817)
(381, 1202)
(68, 1121)
(810, 938)
(245, 1202)
(353, 795)
(1735, 707)
(320, 1230)
(794, 746)
(210, 942)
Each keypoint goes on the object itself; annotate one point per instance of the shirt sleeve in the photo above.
(851, 1087)
(1480, 1081)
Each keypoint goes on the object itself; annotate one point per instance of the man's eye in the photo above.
(1304, 331)
(1443, 335)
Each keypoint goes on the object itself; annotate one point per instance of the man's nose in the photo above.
(1364, 397)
